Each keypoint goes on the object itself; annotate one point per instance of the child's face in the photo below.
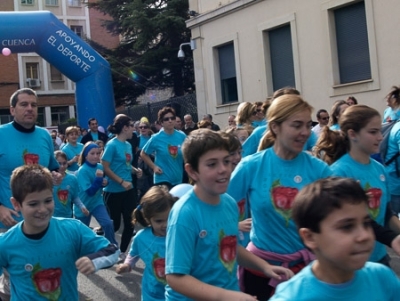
(367, 140)
(37, 208)
(73, 137)
(242, 135)
(159, 223)
(236, 157)
(344, 244)
(93, 156)
(212, 177)
(63, 164)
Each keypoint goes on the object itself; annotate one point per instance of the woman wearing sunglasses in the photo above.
(166, 147)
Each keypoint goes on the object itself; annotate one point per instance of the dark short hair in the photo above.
(14, 96)
(27, 179)
(91, 119)
(199, 142)
(317, 200)
(321, 111)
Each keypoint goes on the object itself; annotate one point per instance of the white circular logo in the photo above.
(382, 177)
(298, 179)
(203, 233)
(28, 267)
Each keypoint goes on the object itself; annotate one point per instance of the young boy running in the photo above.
(43, 254)
(333, 221)
(202, 249)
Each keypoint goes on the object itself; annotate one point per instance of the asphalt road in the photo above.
(106, 285)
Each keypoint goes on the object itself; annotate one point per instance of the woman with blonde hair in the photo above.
(337, 110)
(270, 179)
(246, 114)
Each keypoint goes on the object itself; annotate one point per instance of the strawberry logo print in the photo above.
(242, 205)
(227, 250)
(128, 159)
(47, 282)
(282, 199)
(159, 268)
(173, 151)
(374, 200)
(62, 196)
(30, 159)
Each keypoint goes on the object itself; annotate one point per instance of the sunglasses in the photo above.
(256, 111)
(168, 118)
(143, 127)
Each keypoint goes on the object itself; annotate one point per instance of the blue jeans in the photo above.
(101, 215)
(395, 202)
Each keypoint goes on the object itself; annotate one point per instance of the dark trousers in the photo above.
(122, 203)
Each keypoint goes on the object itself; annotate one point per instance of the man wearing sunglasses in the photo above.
(323, 119)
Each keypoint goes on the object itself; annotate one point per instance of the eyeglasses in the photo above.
(168, 118)
(143, 127)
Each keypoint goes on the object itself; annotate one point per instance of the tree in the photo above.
(151, 33)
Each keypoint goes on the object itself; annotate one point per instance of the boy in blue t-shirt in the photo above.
(202, 249)
(43, 254)
(333, 221)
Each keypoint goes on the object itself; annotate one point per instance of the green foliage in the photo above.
(151, 33)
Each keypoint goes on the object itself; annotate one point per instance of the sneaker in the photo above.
(121, 258)
(98, 231)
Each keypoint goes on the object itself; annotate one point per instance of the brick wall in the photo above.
(98, 33)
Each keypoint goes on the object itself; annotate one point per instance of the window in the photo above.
(352, 43)
(227, 70)
(77, 29)
(55, 74)
(5, 116)
(32, 70)
(28, 2)
(52, 2)
(40, 118)
(281, 55)
(74, 2)
(59, 115)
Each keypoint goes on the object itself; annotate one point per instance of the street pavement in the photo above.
(106, 285)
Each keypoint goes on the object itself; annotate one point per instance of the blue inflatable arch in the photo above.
(43, 33)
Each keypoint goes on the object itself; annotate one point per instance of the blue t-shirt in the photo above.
(44, 269)
(373, 179)
(258, 123)
(17, 149)
(151, 249)
(119, 155)
(335, 127)
(271, 184)
(250, 146)
(392, 148)
(202, 242)
(86, 176)
(63, 196)
(168, 155)
(390, 115)
(373, 282)
(143, 140)
(72, 151)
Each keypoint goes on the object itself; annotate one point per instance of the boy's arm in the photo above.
(248, 260)
(197, 290)
(105, 258)
(96, 185)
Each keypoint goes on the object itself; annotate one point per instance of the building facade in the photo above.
(327, 49)
(56, 92)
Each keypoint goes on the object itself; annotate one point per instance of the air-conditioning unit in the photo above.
(33, 82)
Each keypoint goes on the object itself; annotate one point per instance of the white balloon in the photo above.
(180, 189)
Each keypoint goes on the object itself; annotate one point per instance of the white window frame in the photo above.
(75, 3)
(51, 2)
(337, 89)
(27, 2)
(263, 28)
(215, 80)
